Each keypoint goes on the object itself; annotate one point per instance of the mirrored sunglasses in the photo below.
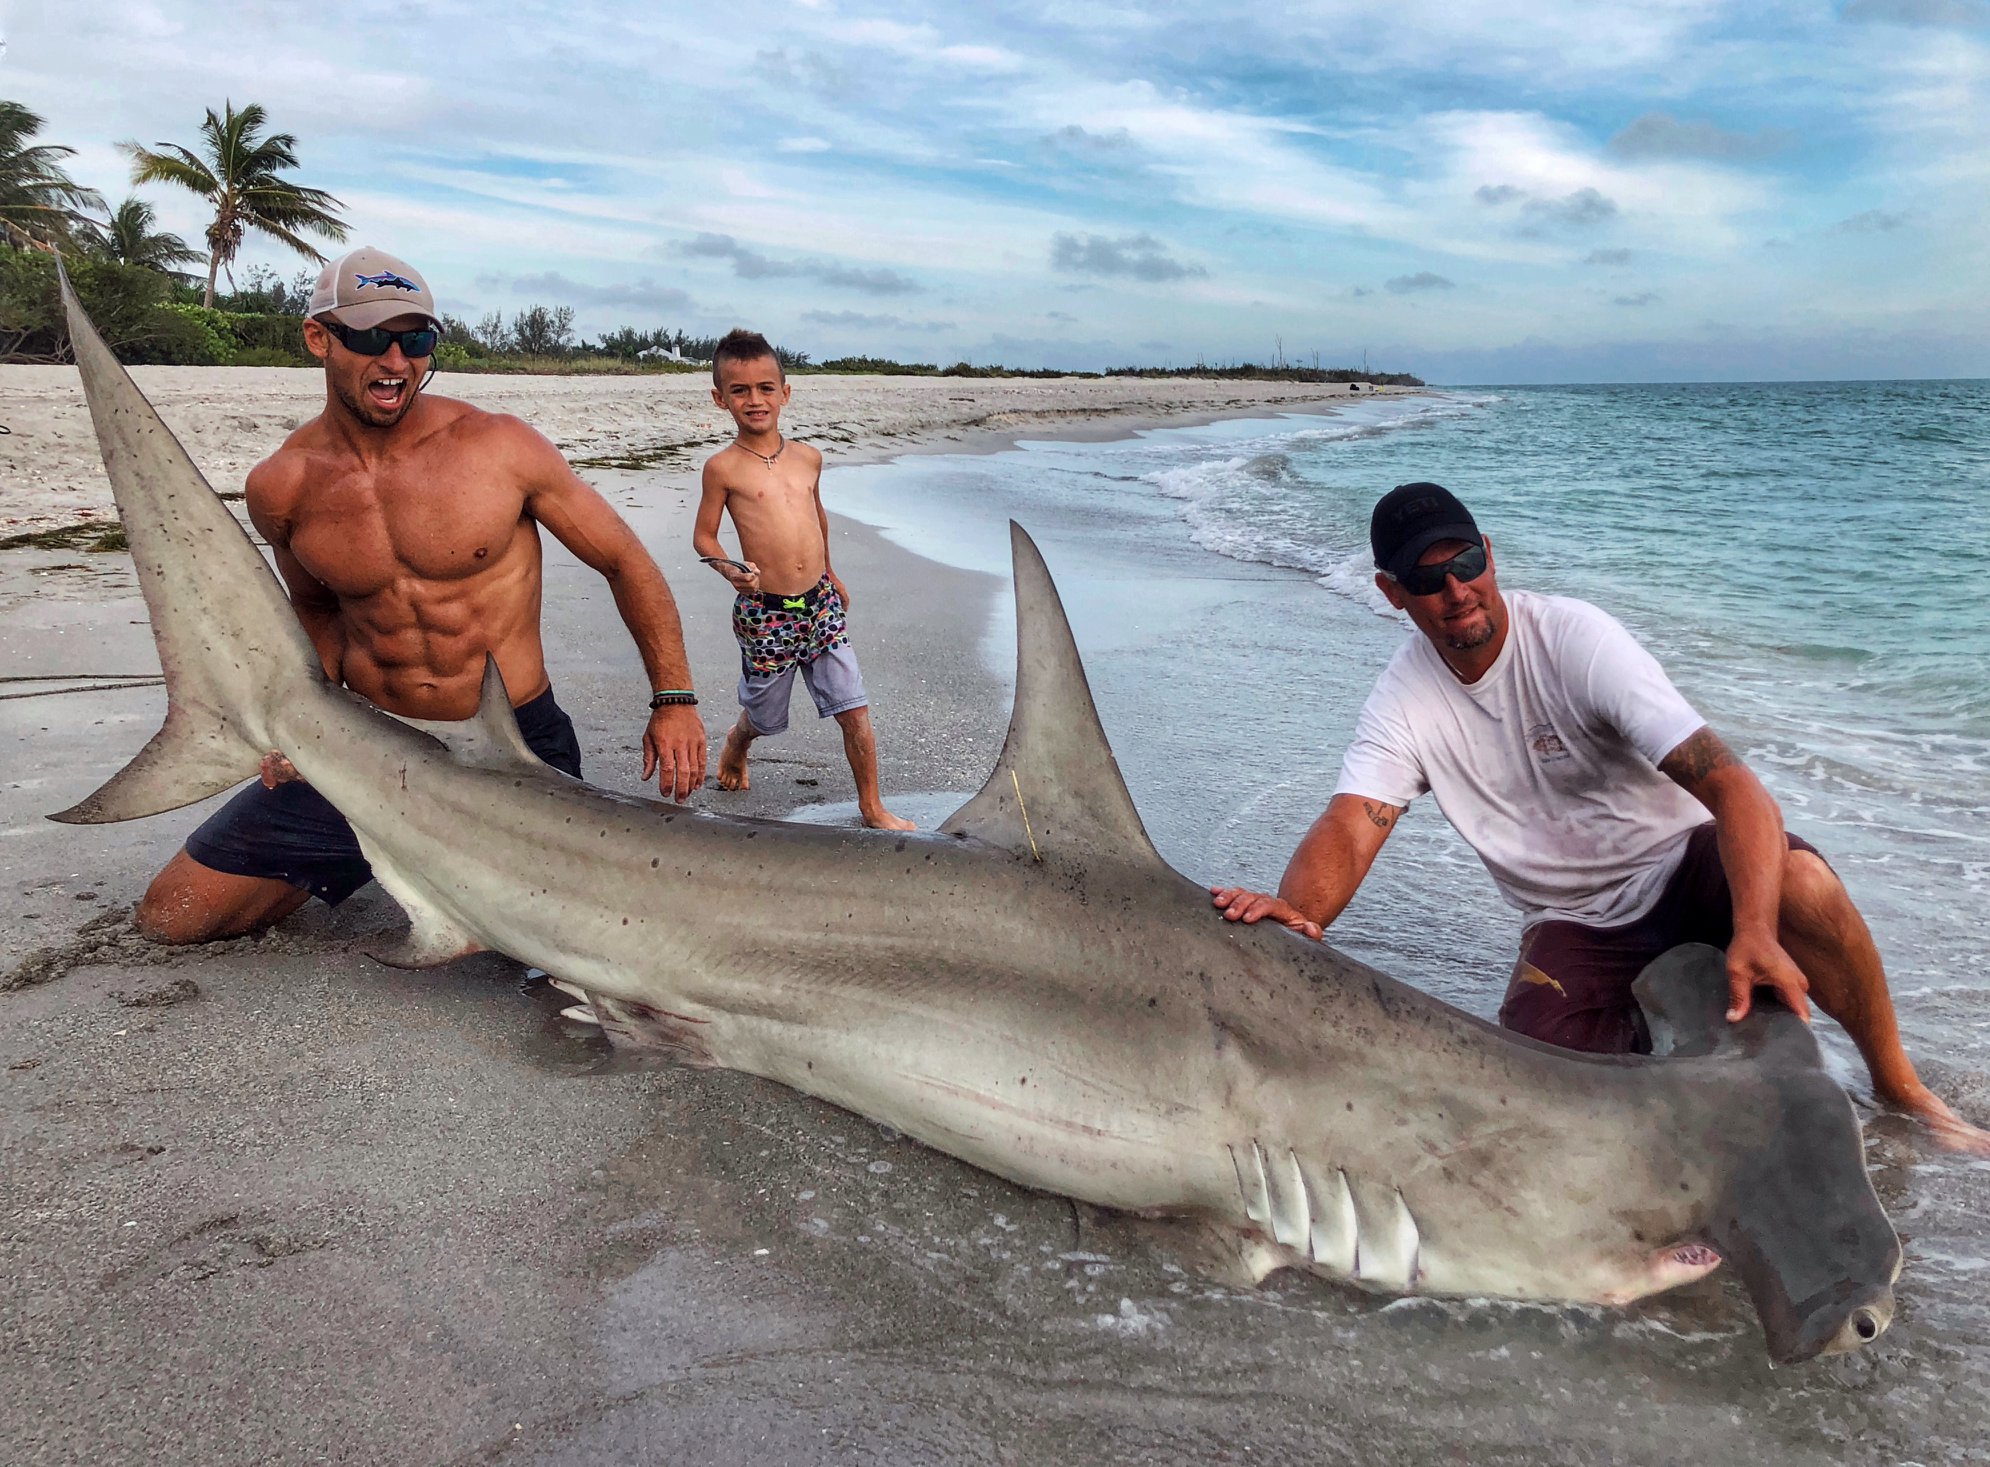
(374, 341)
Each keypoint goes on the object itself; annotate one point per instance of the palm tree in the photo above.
(39, 203)
(129, 239)
(236, 171)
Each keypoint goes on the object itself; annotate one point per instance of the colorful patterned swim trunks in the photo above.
(777, 632)
(780, 635)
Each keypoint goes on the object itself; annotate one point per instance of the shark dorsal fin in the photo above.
(1056, 793)
(490, 739)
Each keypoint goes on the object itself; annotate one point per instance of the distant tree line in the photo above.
(1256, 372)
(1239, 371)
(544, 335)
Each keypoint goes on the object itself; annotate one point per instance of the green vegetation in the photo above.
(886, 367)
(1240, 372)
(237, 171)
(87, 536)
(1254, 372)
(128, 238)
(39, 202)
(144, 314)
(541, 339)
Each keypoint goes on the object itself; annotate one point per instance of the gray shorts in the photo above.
(832, 680)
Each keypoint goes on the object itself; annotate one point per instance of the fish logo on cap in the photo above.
(386, 278)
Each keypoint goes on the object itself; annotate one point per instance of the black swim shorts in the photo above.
(1572, 984)
(292, 833)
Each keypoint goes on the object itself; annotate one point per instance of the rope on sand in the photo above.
(122, 680)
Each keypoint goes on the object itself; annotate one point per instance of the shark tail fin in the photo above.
(182, 763)
(1056, 793)
(229, 643)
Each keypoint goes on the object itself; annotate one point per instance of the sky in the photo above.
(1470, 190)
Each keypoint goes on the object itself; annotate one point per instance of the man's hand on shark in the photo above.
(1760, 962)
(674, 750)
(277, 770)
(1241, 904)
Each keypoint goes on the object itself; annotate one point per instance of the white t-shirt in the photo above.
(1547, 765)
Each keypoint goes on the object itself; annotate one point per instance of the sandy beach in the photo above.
(231, 418)
(271, 1201)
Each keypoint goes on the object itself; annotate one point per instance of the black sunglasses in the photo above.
(1427, 580)
(374, 341)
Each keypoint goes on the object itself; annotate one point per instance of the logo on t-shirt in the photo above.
(1547, 744)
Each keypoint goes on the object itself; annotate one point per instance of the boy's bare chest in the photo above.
(774, 489)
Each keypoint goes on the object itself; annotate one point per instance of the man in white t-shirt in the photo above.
(1559, 749)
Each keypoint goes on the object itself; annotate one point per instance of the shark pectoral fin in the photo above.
(490, 739)
(425, 945)
(1210, 1249)
(433, 937)
(1056, 791)
(183, 762)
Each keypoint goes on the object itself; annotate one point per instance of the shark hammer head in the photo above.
(1793, 1210)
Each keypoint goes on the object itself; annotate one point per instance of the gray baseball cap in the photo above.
(368, 287)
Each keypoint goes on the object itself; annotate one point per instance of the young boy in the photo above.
(789, 613)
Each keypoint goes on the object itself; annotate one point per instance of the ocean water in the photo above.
(1800, 558)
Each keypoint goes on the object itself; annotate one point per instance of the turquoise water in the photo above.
(1801, 559)
(1782, 546)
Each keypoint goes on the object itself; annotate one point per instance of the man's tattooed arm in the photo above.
(1700, 756)
(1379, 815)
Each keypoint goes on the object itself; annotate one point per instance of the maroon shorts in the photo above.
(1572, 984)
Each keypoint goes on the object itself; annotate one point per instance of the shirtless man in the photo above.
(407, 530)
(790, 608)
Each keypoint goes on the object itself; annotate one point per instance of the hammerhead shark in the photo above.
(1032, 988)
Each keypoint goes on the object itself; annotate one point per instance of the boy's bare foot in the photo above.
(883, 819)
(732, 762)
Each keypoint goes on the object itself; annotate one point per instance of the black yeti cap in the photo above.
(1411, 518)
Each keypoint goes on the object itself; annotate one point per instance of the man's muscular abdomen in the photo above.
(419, 611)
